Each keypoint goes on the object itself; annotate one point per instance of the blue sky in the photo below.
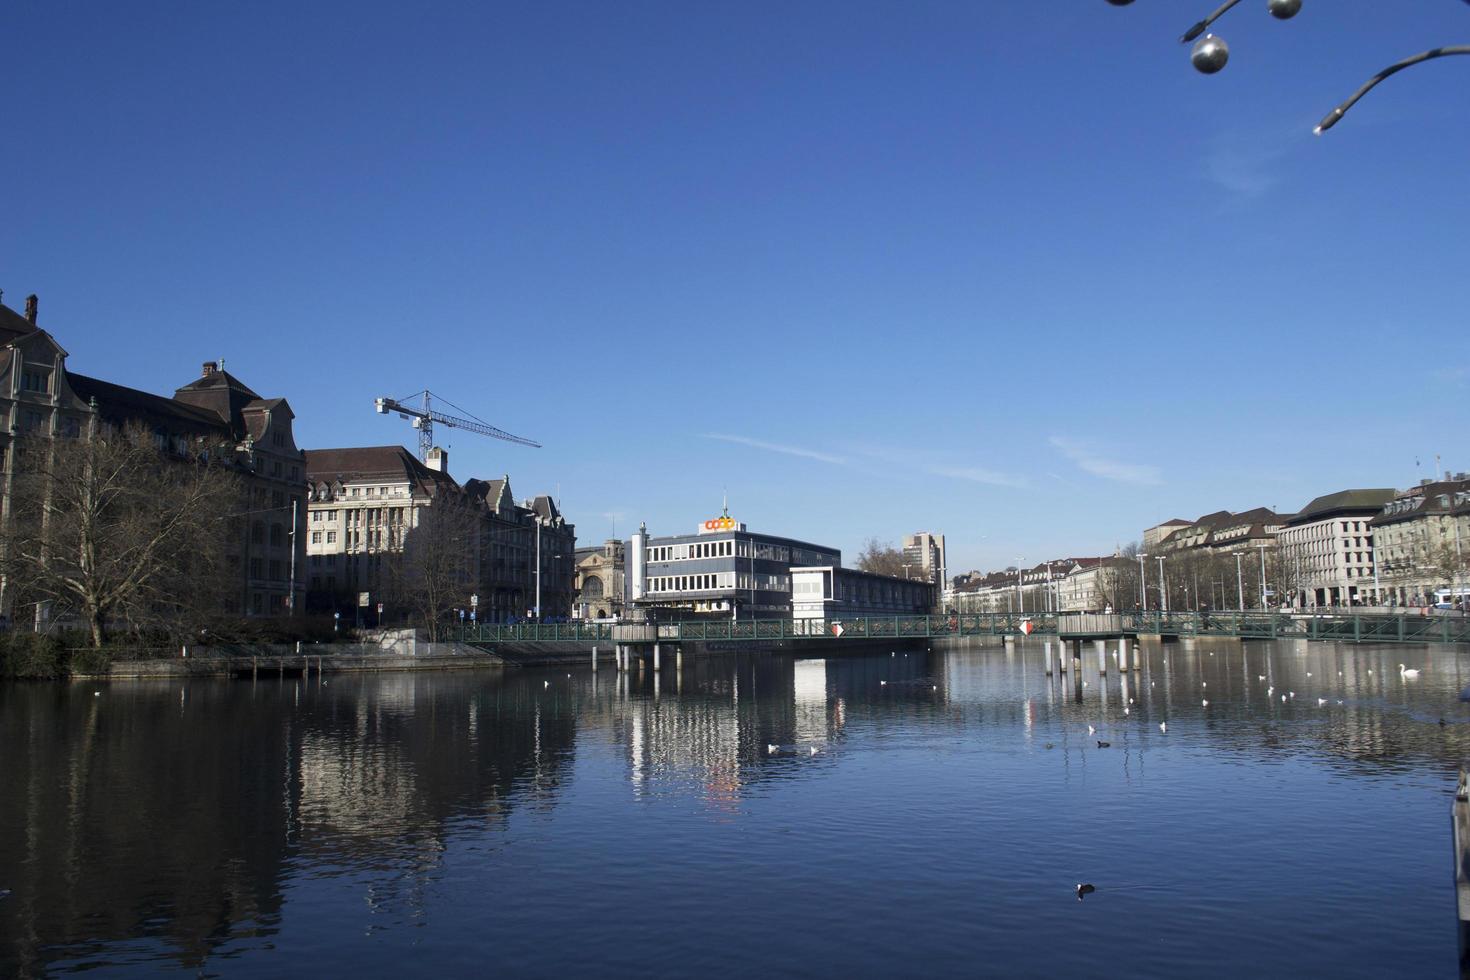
(1013, 272)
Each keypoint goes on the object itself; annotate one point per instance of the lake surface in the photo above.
(531, 823)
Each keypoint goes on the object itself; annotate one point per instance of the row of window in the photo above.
(719, 580)
(695, 549)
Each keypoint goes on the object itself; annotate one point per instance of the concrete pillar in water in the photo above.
(1123, 655)
(1102, 657)
(594, 658)
(1136, 650)
(1046, 657)
(655, 656)
(678, 658)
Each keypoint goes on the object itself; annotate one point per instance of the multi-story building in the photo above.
(366, 502)
(1421, 540)
(599, 581)
(1154, 536)
(215, 416)
(1325, 553)
(721, 570)
(925, 552)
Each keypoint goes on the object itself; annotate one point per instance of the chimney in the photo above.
(438, 460)
(209, 368)
(31, 302)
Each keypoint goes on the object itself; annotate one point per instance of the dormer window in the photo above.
(34, 380)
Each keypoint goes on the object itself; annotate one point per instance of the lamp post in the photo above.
(1263, 576)
(1239, 582)
(1142, 584)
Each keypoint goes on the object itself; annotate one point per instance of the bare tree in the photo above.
(434, 573)
(115, 529)
(881, 559)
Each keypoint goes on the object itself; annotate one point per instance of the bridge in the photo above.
(1368, 628)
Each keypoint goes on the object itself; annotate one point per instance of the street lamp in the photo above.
(1142, 584)
(1210, 52)
(1239, 581)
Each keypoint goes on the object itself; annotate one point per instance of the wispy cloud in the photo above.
(1091, 460)
(1250, 165)
(776, 447)
(977, 475)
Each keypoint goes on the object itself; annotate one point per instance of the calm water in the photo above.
(536, 824)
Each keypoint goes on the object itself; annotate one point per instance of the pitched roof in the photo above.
(355, 463)
(218, 391)
(13, 325)
(544, 507)
(1353, 501)
(1441, 497)
(119, 405)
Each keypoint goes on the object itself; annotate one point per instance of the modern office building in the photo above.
(829, 592)
(925, 552)
(1326, 551)
(721, 570)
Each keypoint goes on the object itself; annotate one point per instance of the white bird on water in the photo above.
(1127, 711)
(1410, 672)
(1204, 704)
(1270, 691)
(1321, 701)
(1283, 697)
(1091, 730)
(1163, 726)
(1260, 677)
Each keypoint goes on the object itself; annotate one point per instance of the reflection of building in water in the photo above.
(810, 689)
(717, 731)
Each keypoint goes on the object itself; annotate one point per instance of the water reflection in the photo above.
(158, 824)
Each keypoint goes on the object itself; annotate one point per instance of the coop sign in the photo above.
(717, 524)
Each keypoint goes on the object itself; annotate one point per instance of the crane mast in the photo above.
(423, 419)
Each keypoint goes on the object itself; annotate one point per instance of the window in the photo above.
(276, 575)
(355, 491)
(278, 439)
(35, 381)
(255, 568)
(331, 537)
(316, 537)
(257, 533)
(278, 535)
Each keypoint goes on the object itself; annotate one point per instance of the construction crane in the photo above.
(424, 418)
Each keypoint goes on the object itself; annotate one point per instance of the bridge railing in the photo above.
(1251, 625)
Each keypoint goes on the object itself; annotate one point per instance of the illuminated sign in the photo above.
(718, 524)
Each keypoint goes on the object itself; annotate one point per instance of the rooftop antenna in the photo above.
(724, 501)
(1437, 474)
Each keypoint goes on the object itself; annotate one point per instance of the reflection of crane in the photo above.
(425, 417)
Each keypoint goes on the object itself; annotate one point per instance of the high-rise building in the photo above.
(925, 552)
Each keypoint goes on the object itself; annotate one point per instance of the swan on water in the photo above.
(1163, 726)
(1091, 730)
(1410, 672)
(1204, 704)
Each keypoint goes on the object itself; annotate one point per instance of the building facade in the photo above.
(1421, 539)
(367, 501)
(830, 592)
(599, 581)
(1325, 553)
(722, 570)
(215, 417)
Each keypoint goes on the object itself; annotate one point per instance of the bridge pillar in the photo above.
(1123, 656)
(594, 657)
(655, 656)
(1102, 657)
(1046, 657)
(678, 658)
(1136, 651)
